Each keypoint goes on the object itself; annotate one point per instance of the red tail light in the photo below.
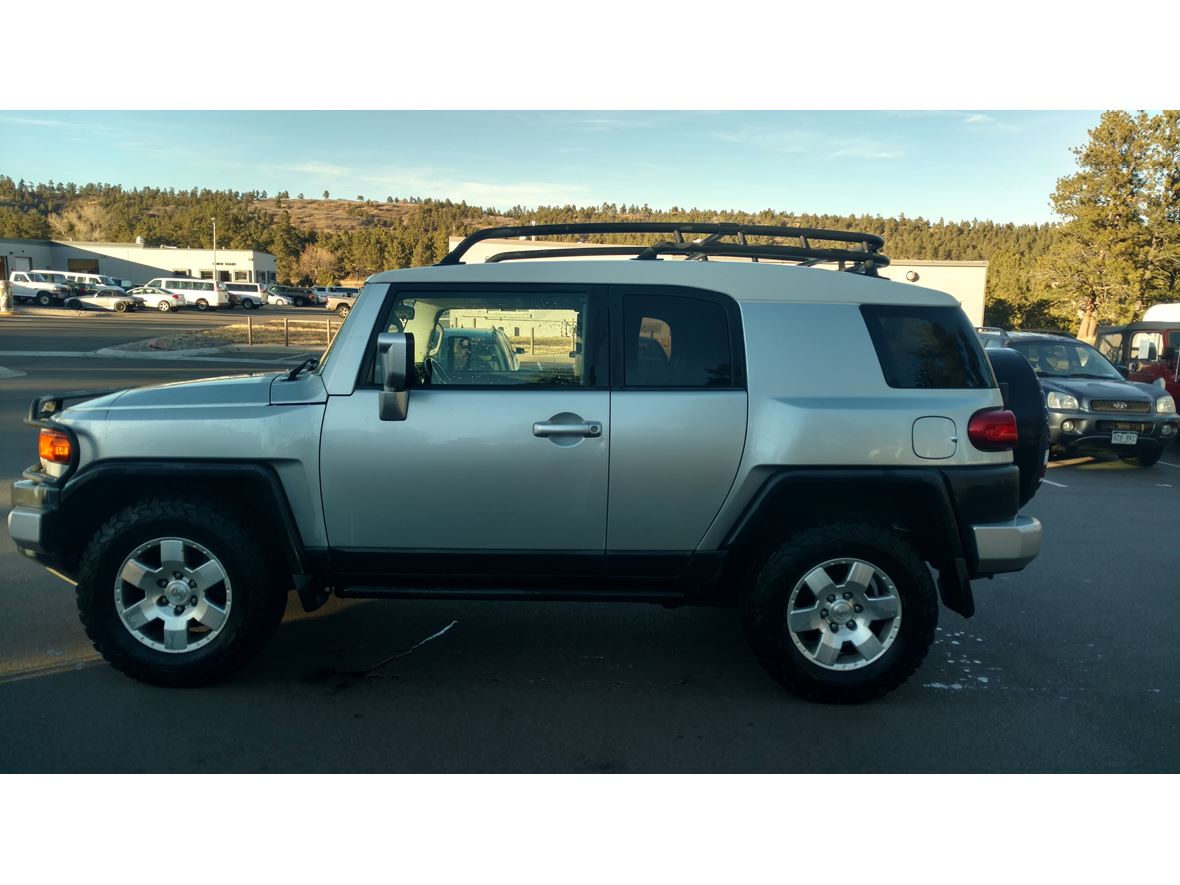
(992, 430)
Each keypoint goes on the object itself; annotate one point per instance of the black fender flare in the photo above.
(95, 488)
(916, 500)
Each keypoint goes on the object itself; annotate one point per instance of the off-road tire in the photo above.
(1143, 459)
(259, 598)
(766, 606)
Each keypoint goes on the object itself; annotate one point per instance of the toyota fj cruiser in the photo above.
(805, 444)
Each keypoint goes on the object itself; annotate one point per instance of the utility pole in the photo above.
(216, 299)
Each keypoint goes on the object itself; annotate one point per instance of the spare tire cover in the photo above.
(1025, 399)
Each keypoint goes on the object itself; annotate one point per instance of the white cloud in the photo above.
(806, 141)
(313, 167)
(610, 124)
(445, 184)
(36, 121)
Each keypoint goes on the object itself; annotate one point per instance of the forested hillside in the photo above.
(324, 240)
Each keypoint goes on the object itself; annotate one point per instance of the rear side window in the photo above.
(927, 347)
(676, 341)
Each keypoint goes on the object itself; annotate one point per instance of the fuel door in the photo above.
(935, 437)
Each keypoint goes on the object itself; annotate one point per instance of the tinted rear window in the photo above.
(927, 347)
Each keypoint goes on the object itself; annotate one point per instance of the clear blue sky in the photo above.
(999, 165)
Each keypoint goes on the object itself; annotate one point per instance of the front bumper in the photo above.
(34, 518)
(1084, 432)
(1006, 546)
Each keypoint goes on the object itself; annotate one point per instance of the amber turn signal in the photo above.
(55, 447)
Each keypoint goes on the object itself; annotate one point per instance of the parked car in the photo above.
(341, 301)
(201, 294)
(103, 301)
(161, 299)
(44, 288)
(735, 464)
(292, 295)
(250, 296)
(1093, 409)
(95, 284)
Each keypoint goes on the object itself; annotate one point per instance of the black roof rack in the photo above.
(865, 258)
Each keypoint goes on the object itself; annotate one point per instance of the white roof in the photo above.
(743, 281)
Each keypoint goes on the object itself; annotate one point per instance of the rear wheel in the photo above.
(164, 307)
(247, 304)
(74, 304)
(842, 613)
(300, 302)
(342, 310)
(173, 592)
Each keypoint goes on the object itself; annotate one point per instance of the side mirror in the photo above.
(395, 350)
(1125, 370)
(520, 350)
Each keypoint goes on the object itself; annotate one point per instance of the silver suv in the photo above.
(801, 443)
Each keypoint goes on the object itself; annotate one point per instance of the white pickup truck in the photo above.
(44, 287)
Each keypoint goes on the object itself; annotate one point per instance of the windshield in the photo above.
(107, 281)
(1066, 359)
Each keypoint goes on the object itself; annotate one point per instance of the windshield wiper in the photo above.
(306, 364)
(1091, 375)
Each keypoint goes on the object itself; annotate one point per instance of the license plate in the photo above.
(1124, 438)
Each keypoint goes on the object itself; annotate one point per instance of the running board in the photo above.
(663, 597)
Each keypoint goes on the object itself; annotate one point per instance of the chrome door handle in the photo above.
(549, 428)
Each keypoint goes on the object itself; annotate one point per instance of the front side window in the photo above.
(675, 341)
(1110, 345)
(1147, 346)
(459, 339)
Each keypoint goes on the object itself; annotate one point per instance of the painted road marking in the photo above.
(1059, 485)
(1169, 464)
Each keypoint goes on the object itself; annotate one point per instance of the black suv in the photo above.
(1093, 409)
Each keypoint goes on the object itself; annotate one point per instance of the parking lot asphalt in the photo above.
(1069, 666)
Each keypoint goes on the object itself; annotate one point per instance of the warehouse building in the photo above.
(135, 261)
(964, 280)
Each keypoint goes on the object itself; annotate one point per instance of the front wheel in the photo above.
(44, 300)
(172, 592)
(247, 304)
(299, 302)
(202, 304)
(842, 613)
(120, 307)
(73, 304)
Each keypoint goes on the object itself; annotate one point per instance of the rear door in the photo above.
(497, 468)
(678, 423)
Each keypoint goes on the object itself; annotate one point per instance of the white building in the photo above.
(964, 280)
(134, 261)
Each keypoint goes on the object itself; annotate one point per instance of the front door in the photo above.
(501, 463)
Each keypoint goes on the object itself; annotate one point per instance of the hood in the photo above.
(1087, 389)
(230, 390)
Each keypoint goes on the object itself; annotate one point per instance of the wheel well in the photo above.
(915, 508)
(108, 492)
